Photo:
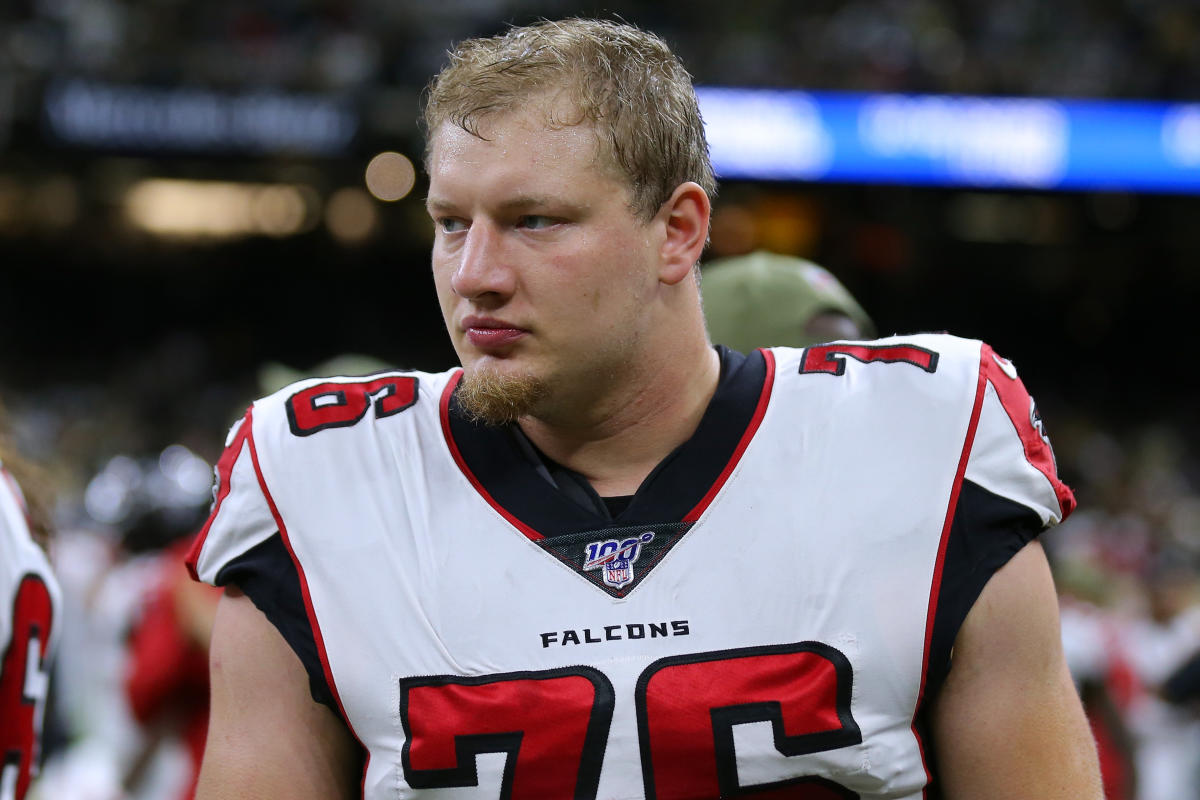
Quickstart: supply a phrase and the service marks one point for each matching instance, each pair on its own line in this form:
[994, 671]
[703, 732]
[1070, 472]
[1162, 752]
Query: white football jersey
[767, 616]
[29, 602]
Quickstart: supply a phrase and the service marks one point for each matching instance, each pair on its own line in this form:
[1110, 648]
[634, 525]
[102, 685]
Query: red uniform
[166, 680]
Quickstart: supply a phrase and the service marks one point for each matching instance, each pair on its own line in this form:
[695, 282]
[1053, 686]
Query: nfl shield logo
[615, 557]
[618, 574]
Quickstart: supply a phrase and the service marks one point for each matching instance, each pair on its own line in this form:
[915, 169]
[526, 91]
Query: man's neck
[627, 436]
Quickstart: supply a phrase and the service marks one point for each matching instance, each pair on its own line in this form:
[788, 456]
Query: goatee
[495, 399]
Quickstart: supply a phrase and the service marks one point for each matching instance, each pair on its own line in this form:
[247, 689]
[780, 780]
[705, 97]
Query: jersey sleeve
[1009, 494]
[1011, 455]
[241, 517]
[241, 544]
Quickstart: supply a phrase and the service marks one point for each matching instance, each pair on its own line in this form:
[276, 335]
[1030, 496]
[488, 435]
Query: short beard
[493, 399]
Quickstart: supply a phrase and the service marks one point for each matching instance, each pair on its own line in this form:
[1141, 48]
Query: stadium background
[119, 339]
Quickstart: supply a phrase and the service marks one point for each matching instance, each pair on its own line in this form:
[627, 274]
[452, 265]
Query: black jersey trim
[986, 532]
[267, 575]
[501, 472]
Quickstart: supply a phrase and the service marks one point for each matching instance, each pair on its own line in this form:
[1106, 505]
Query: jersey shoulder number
[341, 404]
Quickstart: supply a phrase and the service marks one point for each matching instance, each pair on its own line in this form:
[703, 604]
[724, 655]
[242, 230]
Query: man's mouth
[491, 334]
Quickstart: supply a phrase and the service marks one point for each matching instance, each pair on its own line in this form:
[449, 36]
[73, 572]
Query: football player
[606, 559]
[29, 603]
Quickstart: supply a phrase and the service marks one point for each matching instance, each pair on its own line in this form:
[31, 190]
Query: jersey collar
[538, 499]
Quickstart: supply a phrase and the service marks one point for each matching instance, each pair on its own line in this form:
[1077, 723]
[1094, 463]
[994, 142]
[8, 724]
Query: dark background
[1091, 294]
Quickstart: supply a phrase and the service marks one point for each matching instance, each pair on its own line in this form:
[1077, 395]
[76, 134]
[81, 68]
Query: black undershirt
[616, 505]
[569, 482]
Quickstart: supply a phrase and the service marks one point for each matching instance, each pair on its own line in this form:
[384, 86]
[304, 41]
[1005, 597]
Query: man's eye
[451, 225]
[536, 221]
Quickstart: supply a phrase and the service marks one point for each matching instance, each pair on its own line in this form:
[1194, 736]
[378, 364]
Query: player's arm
[267, 737]
[1008, 723]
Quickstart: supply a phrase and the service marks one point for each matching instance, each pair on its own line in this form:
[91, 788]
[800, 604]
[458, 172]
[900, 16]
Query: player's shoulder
[14, 531]
[303, 444]
[19, 553]
[306, 408]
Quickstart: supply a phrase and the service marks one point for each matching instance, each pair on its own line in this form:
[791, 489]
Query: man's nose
[483, 268]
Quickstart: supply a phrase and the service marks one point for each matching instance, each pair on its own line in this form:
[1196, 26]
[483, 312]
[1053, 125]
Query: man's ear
[686, 217]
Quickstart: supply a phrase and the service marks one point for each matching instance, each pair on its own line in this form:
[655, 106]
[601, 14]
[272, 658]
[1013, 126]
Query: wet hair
[623, 81]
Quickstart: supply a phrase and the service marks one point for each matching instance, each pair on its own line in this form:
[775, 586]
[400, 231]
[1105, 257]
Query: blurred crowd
[1126, 565]
[373, 49]
[1137, 48]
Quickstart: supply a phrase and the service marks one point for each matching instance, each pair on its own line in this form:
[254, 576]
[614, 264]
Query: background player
[395, 571]
[28, 618]
[765, 299]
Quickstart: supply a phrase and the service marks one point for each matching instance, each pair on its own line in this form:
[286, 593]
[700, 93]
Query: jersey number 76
[551, 727]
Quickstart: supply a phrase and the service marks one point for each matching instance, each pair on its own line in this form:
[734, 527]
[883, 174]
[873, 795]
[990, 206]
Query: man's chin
[498, 398]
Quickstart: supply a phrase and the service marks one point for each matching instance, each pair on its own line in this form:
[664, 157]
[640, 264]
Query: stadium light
[222, 210]
[390, 176]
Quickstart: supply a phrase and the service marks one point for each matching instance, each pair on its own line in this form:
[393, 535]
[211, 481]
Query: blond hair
[624, 81]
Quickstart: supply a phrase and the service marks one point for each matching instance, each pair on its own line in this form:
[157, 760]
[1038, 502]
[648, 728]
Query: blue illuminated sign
[1037, 143]
[96, 114]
